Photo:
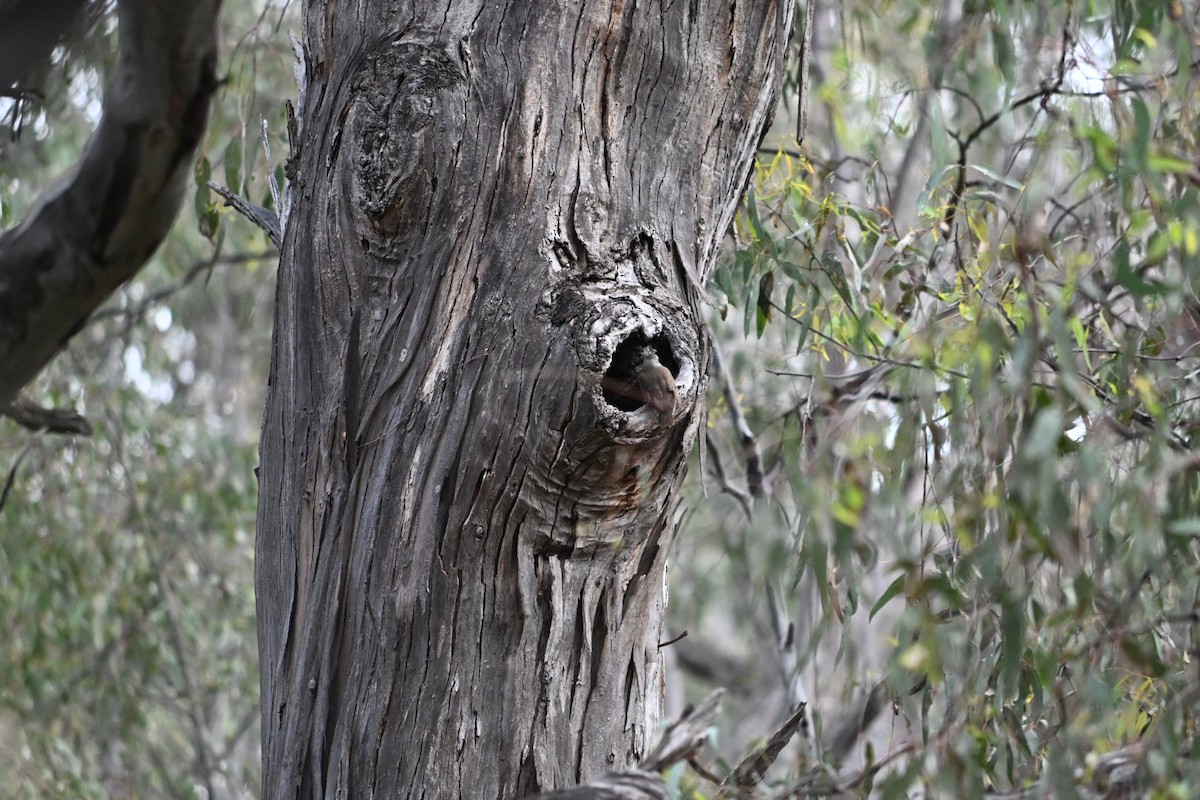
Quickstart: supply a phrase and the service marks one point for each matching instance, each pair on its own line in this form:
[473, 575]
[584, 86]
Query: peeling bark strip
[91, 234]
[461, 537]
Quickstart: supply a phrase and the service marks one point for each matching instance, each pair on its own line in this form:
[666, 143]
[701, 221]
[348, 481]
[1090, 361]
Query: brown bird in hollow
[647, 382]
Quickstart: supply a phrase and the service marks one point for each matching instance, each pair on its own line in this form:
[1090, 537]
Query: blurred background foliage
[948, 494]
[952, 493]
[128, 667]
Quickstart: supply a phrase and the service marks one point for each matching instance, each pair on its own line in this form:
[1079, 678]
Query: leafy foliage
[129, 667]
[973, 293]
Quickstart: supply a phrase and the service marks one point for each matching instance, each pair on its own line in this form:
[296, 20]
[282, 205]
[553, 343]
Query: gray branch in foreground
[96, 228]
[753, 768]
[55, 420]
[264, 218]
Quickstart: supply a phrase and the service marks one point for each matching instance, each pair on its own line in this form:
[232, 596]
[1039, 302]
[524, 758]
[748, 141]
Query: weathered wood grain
[462, 542]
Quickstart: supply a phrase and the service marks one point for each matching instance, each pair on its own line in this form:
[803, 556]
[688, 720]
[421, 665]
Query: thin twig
[718, 471]
[12, 472]
[160, 294]
[746, 437]
[1125, 633]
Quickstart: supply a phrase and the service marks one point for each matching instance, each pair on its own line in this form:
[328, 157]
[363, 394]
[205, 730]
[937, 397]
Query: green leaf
[814, 298]
[991, 174]
[1081, 340]
[1012, 643]
[723, 278]
[837, 276]
[232, 159]
[1130, 279]
[1004, 54]
[1139, 151]
[757, 231]
[1169, 164]
[893, 589]
[1104, 147]
[764, 305]
[208, 219]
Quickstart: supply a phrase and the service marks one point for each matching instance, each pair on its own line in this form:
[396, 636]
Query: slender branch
[1124, 633]
[746, 437]
[718, 472]
[1043, 93]
[264, 218]
[162, 293]
[12, 472]
[36, 418]
[204, 759]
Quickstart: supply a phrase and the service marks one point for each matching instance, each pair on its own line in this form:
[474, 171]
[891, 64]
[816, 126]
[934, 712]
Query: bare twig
[204, 759]
[12, 472]
[718, 471]
[264, 218]
[158, 295]
[1191, 617]
[746, 437]
[1044, 92]
[685, 736]
[672, 640]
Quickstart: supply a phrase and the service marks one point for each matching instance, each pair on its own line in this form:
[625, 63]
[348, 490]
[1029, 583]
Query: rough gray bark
[461, 536]
[95, 229]
[679, 741]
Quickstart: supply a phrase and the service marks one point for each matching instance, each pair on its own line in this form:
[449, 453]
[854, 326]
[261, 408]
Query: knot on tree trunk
[405, 112]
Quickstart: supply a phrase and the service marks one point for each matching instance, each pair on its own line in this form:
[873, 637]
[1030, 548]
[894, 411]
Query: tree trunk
[462, 533]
